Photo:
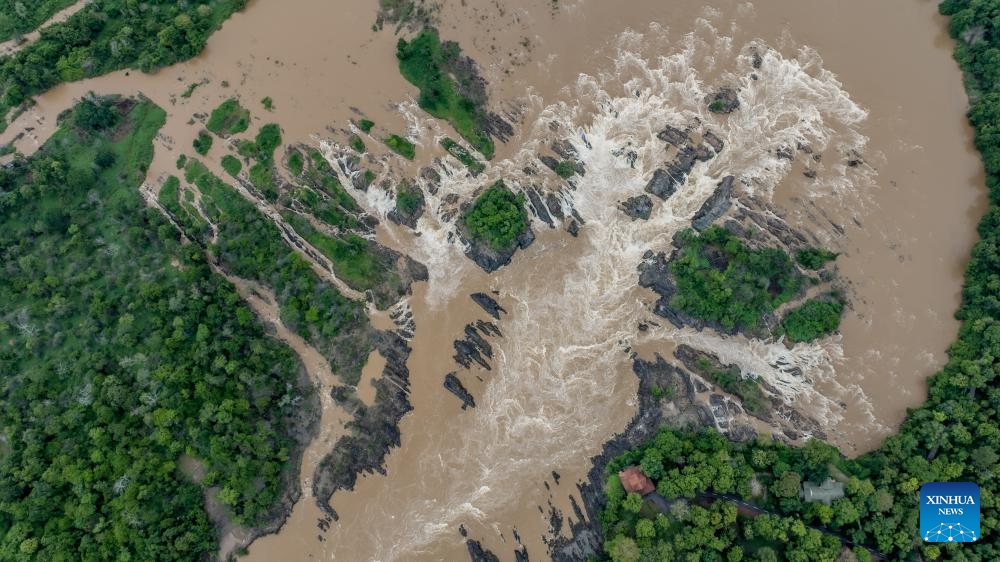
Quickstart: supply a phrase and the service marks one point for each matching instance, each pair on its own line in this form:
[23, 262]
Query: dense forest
[954, 436]
[122, 352]
[110, 35]
[497, 217]
[18, 17]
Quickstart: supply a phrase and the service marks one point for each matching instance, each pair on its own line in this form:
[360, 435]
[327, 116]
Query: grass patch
[408, 199]
[434, 67]
[497, 217]
[203, 143]
[232, 165]
[296, 163]
[401, 146]
[268, 103]
[357, 144]
[190, 89]
[229, 118]
[463, 156]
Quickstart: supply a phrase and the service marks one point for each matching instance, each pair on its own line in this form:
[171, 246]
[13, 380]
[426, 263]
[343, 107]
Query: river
[874, 78]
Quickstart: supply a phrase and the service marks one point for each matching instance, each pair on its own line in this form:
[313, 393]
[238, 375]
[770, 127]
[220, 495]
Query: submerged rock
[715, 206]
[638, 207]
[723, 101]
[455, 386]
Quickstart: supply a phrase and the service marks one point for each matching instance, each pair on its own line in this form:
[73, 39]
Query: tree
[788, 485]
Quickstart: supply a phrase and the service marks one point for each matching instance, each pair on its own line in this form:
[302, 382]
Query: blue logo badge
[949, 512]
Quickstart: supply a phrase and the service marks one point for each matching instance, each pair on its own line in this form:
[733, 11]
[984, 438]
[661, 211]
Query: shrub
[229, 118]
[401, 146]
[203, 143]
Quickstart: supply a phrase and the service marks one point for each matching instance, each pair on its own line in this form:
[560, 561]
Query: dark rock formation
[715, 206]
[777, 413]
[638, 207]
[674, 136]
[375, 429]
[713, 141]
[587, 535]
[498, 127]
[492, 259]
[408, 217]
[473, 349]
[535, 199]
[550, 162]
[785, 153]
[488, 328]
[564, 149]
[477, 553]
[521, 554]
[703, 153]
[664, 183]
[554, 206]
[488, 304]
[723, 101]
[573, 228]
[455, 386]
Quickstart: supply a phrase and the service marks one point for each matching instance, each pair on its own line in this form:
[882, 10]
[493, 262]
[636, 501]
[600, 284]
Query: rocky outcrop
[478, 553]
[492, 259]
[455, 386]
[653, 413]
[573, 229]
[535, 199]
[554, 206]
[408, 215]
[674, 136]
[638, 207]
[374, 430]
[487, 303]
[665, 182]
[473, 349]
[391, 288]
[723, 101]
[775, 412]
[661, 184]
[713, 141]
[716, 205]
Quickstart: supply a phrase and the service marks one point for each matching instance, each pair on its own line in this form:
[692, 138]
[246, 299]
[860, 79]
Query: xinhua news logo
[949, 512]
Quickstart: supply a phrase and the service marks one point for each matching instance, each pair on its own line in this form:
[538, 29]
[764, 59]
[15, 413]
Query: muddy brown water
[561, 382]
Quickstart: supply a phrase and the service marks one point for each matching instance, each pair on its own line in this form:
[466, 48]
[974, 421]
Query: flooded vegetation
[499, 253]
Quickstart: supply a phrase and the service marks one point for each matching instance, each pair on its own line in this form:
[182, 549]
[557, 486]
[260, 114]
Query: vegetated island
[715, 499]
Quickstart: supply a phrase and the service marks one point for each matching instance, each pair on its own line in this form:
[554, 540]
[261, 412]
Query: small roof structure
[634, 480]
[826, 492]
